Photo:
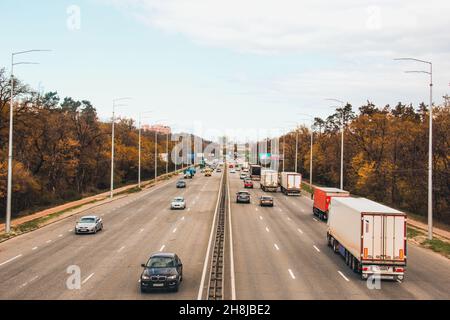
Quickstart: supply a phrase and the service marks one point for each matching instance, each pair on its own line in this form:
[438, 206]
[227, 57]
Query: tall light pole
[10, 141]
[430, 142]
[139, 152]
[111, 192]
[342, 142]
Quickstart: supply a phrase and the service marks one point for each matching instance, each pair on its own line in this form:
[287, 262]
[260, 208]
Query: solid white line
[87, 279]
[276, 247]
[205, 263]
[267, 229]
[12, 259]
[342, 275]
[121, 248]
[318, 250]
[232, 275]
[174, 230]
[162, 248]
[300, 230]
[291, 273]
[34, 248]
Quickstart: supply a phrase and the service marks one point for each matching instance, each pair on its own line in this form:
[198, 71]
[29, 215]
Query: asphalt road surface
[281, 253]
[34, 265]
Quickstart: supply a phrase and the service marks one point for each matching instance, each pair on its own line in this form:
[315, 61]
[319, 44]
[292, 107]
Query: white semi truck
[370, 236]
[291, 183]
[269, 180]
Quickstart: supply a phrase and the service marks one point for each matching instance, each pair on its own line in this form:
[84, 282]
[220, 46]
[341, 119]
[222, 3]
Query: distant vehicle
[243, 196]
[218, 170]
[269, 180]
[322, 199]
[232, 170]
[243, 175]
[89, 224]
[181, 184]
[248, 183]
[208, 172]
[162, 271]
[266, 201]
[255, 172]
[370, 236]
[291, 183]
[238, 168]
[245, 170]
[178, 203]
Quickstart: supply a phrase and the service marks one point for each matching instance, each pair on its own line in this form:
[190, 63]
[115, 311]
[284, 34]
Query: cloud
[268, 26]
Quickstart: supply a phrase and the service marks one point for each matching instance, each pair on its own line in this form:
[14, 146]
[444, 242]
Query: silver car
[89, 224]
[178, 203]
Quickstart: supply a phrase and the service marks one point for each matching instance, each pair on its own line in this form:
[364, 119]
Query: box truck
[255, 172]
[370, 236]
[322, 198]
[269, 180]
[291, 183]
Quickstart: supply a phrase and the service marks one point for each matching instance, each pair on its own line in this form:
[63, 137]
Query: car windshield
[178, 199]
[266, 198]
[161, 262]
[87, 220]
[243, 193]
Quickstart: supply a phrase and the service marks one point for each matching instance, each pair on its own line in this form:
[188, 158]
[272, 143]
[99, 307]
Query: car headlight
[174, 277]
[145, 277]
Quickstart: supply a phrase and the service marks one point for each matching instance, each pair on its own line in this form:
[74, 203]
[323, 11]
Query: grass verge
[437, 245]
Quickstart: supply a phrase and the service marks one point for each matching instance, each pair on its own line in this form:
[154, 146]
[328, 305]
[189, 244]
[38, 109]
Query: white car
[232, 170]
[243, 175]
[88, 224]
[178, 203]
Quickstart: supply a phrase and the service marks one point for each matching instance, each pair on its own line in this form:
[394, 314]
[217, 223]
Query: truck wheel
[335, 246]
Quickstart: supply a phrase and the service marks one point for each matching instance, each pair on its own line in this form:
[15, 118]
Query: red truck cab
[322, 199]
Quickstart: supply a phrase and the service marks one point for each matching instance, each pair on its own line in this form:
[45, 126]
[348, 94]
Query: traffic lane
[70, 250]
[262, 271]
[420, 282]
[182, 231]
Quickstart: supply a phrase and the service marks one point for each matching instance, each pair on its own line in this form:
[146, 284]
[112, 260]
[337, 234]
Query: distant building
[159, 128]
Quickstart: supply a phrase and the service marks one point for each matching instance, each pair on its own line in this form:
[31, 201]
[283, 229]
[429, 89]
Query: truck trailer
[370, 236]
[269, 180]
[255, 172]
[291, 183]
[322, 198]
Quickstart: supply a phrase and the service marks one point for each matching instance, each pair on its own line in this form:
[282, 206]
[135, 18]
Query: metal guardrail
[216, 277]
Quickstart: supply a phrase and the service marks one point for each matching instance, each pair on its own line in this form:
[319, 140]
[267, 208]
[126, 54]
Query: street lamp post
[111, 193]
[342, 142]
[430, 142]
[10, 141]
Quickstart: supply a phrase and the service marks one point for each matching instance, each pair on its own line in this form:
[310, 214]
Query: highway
[281, 253]
[33, 266]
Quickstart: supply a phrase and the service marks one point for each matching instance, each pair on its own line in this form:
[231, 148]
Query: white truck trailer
[370, 236]
[269, 180]
[291, 183]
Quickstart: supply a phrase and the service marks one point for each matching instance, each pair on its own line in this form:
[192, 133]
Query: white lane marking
[141, 230]
[48, 241]
[317, 249]
[267, 229]
[189, 209]
[300, 230]
[12, 259]
[174, 230]
[87, 279]
[121, 248]
[256, 209]
[315, 220]
[260, 217]
[162, 248]
[60, 235]
[34, 248]
[342, 275]
[70, 230]
[303, 210]
[289, 218]
[182, 218]
[276, 247]
[279, 209]
[26, 283]
[291, 273]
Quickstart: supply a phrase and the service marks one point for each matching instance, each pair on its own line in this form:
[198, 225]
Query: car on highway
[243, 176]
[248, 183]
[218, 170]
[243, 197]
[266, 201]
[88, 224]
[178, 203]
[181, 184]
[232, 170]
[163, 270]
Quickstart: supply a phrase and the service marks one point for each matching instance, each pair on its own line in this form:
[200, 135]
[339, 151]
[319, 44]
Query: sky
[241, 68]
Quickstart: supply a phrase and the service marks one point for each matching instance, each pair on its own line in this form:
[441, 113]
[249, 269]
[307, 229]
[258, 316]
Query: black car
[162, 271]
[181, 184]
[266, 201]
[243, 196]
